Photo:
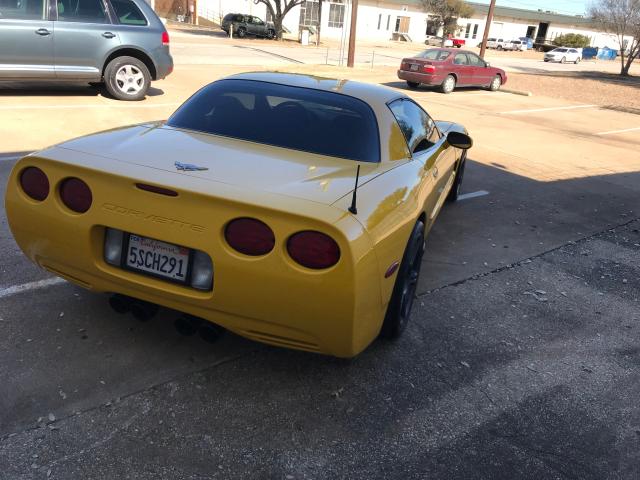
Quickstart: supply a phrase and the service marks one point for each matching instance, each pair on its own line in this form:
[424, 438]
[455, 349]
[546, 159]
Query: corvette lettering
[150, 217]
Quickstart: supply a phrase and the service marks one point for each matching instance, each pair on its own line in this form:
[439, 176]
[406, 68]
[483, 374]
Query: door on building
[542, 32]
[433, 24]
[531, 32]
[402, 24]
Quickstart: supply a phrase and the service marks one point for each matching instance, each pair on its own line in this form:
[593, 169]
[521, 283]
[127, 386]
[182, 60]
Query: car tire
[495, 84]
[412, 85]
[563, 60]
[454, 193]
[242, 32]
[448, 85]
[577, 61]
[127, 78]
[500, 47]
[271, 34]
[404, 289]
[458, 46]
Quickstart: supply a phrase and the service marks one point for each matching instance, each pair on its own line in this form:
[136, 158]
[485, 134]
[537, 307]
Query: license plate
[157, 258]
[413, 67]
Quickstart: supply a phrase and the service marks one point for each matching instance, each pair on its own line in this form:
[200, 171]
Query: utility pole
[352, 34]
[483, 47]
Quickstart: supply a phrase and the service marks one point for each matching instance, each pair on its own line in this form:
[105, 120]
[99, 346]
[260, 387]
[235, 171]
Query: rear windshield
[304, 119]
[433, 54]
[560, 49]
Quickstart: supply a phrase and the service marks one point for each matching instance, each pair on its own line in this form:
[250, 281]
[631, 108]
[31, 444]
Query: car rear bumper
[164, 64]
[417, 77]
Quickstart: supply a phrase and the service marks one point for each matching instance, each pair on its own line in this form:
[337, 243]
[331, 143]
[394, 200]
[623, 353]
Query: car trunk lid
[248, 165]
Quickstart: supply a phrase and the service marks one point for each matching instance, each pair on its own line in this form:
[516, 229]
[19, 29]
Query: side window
[239, 18]
[475, 60]
[128, 12]
[85, 11]
[419, 130]
[460, 59]
[257, 21]
[23, 9]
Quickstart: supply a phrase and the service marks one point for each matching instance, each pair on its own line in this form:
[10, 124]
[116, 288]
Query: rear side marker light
[76, 195]
[250, 236]
[313, 250]
[34, 183]
[159, 190]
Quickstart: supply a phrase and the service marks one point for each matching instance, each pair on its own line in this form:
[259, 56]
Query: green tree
[574, 40]
[621, 18]
[448, 13]
[278, 10]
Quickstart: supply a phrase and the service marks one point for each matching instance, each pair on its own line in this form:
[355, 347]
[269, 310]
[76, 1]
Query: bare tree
[622, 18]
[278, 10]
[448, 12]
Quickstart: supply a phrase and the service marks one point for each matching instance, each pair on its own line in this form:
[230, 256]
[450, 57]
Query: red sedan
[448, 68]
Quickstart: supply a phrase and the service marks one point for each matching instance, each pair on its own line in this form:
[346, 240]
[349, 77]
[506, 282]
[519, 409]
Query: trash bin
[304, 37]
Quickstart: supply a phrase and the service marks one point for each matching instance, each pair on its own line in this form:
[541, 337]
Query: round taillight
[34, 183]
[76, 195]
[250, 236]
[313, 249]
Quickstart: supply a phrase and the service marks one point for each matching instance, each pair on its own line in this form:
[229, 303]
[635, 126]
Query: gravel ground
[600, 89]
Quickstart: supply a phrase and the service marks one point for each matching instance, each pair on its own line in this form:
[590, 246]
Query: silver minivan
[121, 43]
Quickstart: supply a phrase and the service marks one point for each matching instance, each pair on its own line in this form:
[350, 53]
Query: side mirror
[487, 64]
[459, 140]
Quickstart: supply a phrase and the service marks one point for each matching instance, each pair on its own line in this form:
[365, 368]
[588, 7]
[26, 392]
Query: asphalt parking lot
[522, 359]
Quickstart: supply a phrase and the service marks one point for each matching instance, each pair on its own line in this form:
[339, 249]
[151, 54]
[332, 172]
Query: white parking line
[610, 132]
[70, 107]
[550, 109]
[26, 287]
[467, 196]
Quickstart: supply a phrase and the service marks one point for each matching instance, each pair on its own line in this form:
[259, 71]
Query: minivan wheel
[271, 34]
[242, 32]
[127, 78]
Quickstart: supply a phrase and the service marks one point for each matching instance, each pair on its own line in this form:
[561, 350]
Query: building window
[475, 31]
[309, 13]
[336, 14]
[467, 31]
[379, 20]
[388, 21]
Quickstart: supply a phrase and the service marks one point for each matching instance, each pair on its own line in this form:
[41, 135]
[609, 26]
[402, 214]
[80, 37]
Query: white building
[380, 20]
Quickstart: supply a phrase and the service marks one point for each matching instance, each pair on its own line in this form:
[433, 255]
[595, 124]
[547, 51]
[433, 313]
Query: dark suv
[244, 25]
[122, 43]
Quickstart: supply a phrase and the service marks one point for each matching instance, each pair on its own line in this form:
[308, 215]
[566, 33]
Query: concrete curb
[516, 92]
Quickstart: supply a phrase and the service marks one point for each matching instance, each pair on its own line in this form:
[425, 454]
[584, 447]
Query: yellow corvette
[289, 209]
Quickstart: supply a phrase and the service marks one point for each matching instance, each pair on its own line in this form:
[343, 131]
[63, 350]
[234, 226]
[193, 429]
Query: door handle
[43, 31]
[435, 172]
[108, 35]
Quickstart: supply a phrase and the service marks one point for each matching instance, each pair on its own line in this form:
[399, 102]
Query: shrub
[574, 40]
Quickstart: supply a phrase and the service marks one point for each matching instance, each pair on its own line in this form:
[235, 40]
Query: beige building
[380, 20]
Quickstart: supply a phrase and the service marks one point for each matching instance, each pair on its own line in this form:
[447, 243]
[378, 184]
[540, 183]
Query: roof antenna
[353, 208]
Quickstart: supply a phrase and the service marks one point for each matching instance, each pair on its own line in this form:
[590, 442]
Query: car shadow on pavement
[34, 89]
[402, 85]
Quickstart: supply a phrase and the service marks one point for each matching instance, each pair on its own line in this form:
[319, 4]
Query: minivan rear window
[297, 118]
